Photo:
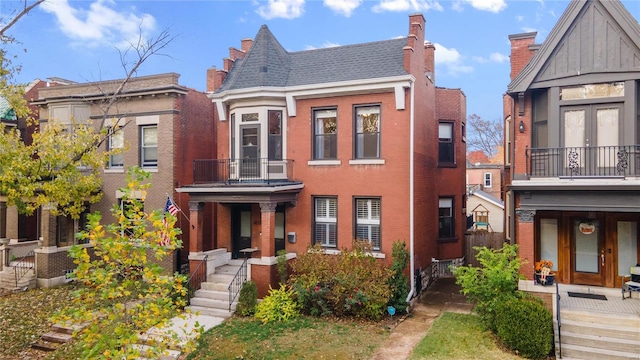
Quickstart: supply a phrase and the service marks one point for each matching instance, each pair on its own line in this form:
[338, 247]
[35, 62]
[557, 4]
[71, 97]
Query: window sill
[448, 240]
[150, 169]
[367, 162]
[114, 171]
[324, 162]
[447, 165]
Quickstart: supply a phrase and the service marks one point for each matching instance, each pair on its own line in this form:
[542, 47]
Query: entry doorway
[240, 229]
[588, 252]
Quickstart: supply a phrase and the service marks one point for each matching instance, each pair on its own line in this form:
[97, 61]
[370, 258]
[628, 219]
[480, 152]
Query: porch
[591, 322]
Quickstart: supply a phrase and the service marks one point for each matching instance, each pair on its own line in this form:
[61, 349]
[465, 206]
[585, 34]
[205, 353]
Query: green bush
[247, 299]
[352, 283]
[525, 325]
[493, 283]
[398, 282]
[281, 265]
[278, 306]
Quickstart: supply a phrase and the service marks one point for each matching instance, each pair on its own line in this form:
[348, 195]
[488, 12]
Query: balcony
[575, 162]
[230, 171]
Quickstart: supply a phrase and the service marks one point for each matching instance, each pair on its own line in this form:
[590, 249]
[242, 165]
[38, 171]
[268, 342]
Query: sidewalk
[443, 295]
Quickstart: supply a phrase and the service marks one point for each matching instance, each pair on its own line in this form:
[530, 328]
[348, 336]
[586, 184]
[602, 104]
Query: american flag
[172, 209]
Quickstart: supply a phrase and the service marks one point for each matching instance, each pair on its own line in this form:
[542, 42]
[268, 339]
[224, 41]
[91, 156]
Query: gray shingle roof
[268, 64]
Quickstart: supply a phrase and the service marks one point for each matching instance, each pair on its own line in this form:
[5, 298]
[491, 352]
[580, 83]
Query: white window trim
[325, 219]
[140, 146]
[324, 162]
[369, 220]
[490, 180]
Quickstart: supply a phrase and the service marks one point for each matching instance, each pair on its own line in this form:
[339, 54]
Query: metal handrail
[238, 280]
[587, 161]
[20, 270]
[228, 171]
[196, 278]
[559, 321]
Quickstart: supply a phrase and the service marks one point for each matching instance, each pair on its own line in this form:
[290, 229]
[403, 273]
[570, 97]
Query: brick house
[168, 125]
[328, 145]
[571, 131]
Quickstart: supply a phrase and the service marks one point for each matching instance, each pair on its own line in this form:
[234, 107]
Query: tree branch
[22, 13]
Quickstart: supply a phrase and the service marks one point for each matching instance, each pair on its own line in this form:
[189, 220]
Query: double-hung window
[325, 134]
[368, 221]
[487, 180]
[445, 143]
[367, 141]
[116, 142]
[446, 229]
[326, 221]
[149, 146]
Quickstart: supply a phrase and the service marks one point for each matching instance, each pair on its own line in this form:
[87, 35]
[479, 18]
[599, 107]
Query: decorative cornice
[196, 206]
[268, 206]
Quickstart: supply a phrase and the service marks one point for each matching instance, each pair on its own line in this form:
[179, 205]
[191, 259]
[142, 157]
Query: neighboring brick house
[328, 145]
[486, 177]
[572, 123]
[168, 126]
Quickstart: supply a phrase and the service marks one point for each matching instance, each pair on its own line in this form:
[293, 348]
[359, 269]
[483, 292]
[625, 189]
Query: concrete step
[215, 286]
[212, 303]
[236, 262]
[599, 342]
[220, 278]
[227, 270]
[45, 345]
[67, 328]
[589, 353]
[603, 330]
[212, 294]
[201, 310]
[56, 337]
[598, 318]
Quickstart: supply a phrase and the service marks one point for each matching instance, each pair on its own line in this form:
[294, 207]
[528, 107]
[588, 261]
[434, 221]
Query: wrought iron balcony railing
[596, 161]
[241, 170]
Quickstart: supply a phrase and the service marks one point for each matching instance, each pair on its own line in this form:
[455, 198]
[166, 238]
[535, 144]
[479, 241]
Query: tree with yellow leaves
[124, 291]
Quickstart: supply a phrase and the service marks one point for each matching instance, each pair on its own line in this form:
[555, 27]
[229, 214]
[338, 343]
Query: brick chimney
[415, 45]
[215, 77]
[521, 52]
[246, 44]
[429, 60]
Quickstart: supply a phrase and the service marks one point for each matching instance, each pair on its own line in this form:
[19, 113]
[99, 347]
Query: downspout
[412, 261]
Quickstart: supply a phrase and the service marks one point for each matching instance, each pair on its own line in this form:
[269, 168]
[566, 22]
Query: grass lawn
[301, 338]
[459, 336]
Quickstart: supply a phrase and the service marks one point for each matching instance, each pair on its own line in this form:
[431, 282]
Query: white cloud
[407, 5]
[451, 60]
[326, 44]
[343, 7]
[493, 57]
[520, 18]
[100, 24]
[286, 9]
[494, 6]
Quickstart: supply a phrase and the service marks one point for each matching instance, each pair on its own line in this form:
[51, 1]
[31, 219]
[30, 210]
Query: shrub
[495, 282]
[398, 282]
[525, 325]
[278, 306]
[282, 265]
[247, 299]
[327, 284]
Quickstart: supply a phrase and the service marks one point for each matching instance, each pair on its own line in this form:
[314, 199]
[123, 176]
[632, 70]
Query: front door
[240, 229]
[250, 152]
[588, 252]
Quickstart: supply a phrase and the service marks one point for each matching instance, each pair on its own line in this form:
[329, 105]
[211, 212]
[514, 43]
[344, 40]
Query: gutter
[412, 261]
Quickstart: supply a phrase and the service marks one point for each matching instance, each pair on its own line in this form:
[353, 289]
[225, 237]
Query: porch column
[195, 233]
[48, 225]
[12, 222]
[267, 237]
[526, 240]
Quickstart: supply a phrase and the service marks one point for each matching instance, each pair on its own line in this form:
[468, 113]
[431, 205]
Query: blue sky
[78, 40]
